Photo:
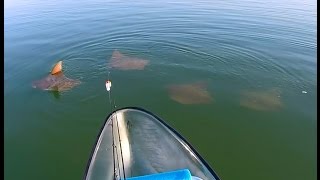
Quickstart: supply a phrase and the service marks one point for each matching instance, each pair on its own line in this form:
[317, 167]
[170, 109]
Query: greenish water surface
[233, 46]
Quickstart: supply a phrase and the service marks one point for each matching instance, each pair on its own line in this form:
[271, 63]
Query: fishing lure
[108, 85]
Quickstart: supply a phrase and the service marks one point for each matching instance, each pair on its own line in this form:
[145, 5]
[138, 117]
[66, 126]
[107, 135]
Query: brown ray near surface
[123, 62]
[56, 80]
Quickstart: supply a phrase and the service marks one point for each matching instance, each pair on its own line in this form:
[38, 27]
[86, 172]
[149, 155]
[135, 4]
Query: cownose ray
[124, 62]
[56, 80]
[191, 93]
[263, 100]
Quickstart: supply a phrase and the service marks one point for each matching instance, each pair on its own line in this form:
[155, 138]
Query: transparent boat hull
[134, 142]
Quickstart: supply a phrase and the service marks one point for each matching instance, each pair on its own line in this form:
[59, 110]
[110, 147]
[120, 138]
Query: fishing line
[114, 149]
[112, 131]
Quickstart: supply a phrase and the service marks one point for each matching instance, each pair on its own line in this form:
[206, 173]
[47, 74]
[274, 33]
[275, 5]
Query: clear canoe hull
[134, 142]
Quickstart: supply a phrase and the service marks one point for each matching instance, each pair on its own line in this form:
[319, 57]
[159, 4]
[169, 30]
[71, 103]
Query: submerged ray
[123, 62]
[266, 100]
[194, 93]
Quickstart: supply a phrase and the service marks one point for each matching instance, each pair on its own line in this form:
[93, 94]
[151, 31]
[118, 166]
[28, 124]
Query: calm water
[235, 46]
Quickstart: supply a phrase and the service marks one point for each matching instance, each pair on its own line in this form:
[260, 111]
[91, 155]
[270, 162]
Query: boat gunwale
[162, 122]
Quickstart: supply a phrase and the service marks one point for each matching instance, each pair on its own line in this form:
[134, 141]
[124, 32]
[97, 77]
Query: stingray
[267, 100]
[56, 80]
[194, 93]
[123, 62]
